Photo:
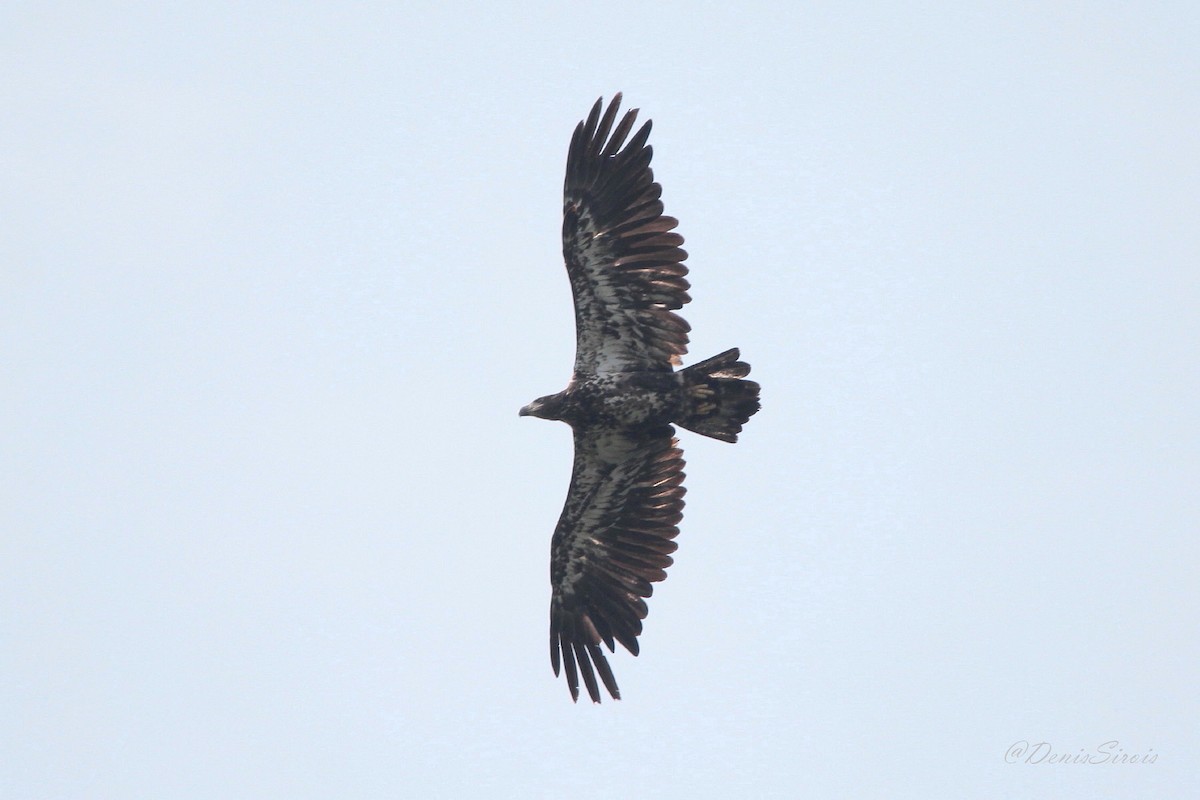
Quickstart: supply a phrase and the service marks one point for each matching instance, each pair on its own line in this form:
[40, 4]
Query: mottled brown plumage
[618, 525]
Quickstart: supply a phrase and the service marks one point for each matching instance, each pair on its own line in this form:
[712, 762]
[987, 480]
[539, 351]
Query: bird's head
[548, 407]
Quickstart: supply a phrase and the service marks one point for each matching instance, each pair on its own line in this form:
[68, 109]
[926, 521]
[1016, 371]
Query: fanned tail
[718, 401]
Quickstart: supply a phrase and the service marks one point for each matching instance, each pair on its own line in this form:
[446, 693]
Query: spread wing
[623, 257]
[612, 542]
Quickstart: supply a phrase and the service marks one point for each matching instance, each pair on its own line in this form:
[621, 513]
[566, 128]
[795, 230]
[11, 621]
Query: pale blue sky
[277, 277]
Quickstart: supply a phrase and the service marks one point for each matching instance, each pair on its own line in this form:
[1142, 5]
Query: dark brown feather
[622, 256]
[611, 546]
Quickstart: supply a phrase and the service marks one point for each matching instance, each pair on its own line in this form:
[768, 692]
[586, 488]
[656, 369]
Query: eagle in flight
[622, 512]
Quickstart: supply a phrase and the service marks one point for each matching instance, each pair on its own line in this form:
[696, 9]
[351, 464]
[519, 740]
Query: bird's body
[620, 519]
[621, 399]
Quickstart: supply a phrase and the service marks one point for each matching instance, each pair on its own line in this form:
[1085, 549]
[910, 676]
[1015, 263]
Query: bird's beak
[525, 410]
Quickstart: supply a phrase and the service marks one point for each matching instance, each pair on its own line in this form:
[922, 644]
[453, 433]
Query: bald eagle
[622, 512]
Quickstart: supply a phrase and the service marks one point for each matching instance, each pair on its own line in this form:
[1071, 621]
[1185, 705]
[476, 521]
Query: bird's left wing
[623, 256]
[612, 542]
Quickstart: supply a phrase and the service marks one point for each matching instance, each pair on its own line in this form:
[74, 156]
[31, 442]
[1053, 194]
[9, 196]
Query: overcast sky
[276, 278]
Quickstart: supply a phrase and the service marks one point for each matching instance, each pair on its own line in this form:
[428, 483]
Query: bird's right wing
[612, 542]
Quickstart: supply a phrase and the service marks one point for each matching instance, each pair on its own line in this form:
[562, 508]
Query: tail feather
[718, 401]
